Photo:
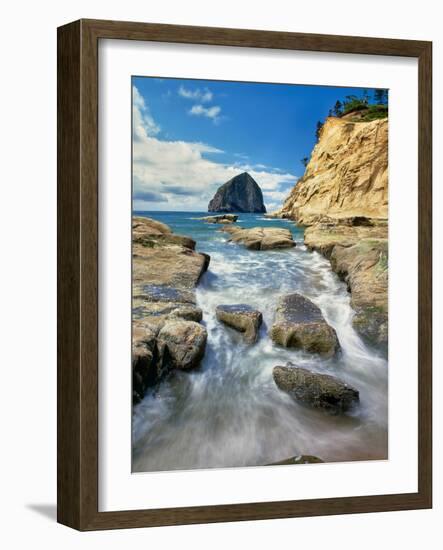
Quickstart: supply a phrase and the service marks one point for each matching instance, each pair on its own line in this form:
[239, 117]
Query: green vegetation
[353, 103]
[369, 110]
[363, 108]
[381, 96]
[375, 112]
[338, 108]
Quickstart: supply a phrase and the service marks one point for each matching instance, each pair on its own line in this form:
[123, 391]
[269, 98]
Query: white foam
[230, 413]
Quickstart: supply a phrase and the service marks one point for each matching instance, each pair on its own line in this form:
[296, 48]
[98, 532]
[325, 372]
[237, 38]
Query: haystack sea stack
[240, 194]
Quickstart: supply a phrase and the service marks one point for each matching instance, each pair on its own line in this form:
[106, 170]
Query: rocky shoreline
[168, 333]
[283, 371]
[359, 256]
[166, 329]
[342, 201]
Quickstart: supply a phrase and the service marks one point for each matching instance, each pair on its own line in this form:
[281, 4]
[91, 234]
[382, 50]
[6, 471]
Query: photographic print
[259, 274]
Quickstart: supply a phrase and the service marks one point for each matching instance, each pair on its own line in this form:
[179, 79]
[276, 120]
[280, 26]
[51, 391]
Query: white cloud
[204, 96]
[273, 206]
[201, 96]
[143, 123]
[276, 196]
[179, 172]
[209, 112]
[205, 148]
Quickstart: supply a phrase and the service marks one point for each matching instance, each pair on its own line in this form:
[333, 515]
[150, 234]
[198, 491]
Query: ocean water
[229, 412]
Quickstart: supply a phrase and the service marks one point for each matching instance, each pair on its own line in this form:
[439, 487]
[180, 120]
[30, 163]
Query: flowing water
[229, 412]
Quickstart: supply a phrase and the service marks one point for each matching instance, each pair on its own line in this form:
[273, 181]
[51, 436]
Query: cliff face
[240, 194]
[347, 174]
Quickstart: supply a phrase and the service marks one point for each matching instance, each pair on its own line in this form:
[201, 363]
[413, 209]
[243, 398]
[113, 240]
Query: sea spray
[229, 412]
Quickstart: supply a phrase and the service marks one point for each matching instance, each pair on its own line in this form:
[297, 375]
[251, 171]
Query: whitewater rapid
[229, 412]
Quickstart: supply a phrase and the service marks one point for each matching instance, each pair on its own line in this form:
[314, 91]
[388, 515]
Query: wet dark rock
[320, 391]
[164, 293]
[299, 323]
[240, 194]
[181, 344]
[159, 312]
[241, 317]
[223, 218]
[145, 368]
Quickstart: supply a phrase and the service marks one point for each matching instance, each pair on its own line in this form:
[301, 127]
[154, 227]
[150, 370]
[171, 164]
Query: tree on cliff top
[318, 129]
[338, 108]
[369, 110]
[381, 96]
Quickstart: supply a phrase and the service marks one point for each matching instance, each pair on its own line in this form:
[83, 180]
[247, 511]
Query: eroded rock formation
[241, 317]
[166, 333]
[240, 194]
[359, 255]
[261, 238]
[222, 218]
[347, 174]
[299, 323]
[320, 391]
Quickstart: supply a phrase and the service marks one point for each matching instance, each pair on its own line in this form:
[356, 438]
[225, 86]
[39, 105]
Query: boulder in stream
[261, 238]
[299, 323]
[241, 317]
[181, 344]
[320, 391]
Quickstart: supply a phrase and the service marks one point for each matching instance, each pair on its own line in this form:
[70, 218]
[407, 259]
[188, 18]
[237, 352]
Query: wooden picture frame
[78, 274]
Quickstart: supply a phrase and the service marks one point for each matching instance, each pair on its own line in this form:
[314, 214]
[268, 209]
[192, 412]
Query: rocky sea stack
[240, 194]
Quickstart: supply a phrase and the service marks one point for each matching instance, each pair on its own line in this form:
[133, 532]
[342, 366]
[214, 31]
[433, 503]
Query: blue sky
[191, 136]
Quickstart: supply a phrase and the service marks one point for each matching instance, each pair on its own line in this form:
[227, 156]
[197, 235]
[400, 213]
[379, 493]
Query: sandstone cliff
[347, 175]
[343, 198]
